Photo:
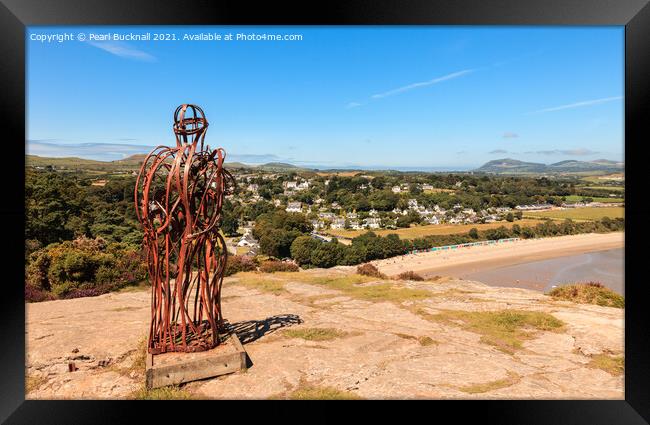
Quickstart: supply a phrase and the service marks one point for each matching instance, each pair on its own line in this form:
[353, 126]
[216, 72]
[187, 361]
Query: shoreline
[481, 258]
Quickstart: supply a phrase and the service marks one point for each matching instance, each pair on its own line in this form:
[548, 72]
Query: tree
[473, 233]
[327, 254]
[510, 217]
[277, 242]
[302, 248]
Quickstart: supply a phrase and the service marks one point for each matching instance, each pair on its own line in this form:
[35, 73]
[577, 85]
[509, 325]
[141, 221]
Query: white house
[432, 220]
[338, 223]
[247, 240]
[354, 224]
[294, 207]
[372, 222]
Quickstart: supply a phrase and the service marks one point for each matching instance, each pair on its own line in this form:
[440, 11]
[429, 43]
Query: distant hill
[507, 165]
[74, 163]
[132, 163]
[513, 166]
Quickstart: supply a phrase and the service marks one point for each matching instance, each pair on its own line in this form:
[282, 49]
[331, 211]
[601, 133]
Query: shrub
[271, 266]
[84, 263]
[371, 270]
[89, 291]
[409, 275]
[239, 263]
[588, 293]
[35, 295]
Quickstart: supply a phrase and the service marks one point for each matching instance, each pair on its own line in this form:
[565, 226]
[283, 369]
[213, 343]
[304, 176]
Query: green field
[577, 198]
[601, 178]
[580, 213]
[431, 229]
[610, 188]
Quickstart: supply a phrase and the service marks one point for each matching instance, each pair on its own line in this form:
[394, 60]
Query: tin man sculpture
[178, 198]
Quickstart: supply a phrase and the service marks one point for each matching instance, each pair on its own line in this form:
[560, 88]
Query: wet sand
[474, 260]
[606, 267]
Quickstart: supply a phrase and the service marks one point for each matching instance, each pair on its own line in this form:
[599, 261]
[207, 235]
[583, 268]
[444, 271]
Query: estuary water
[606, 267]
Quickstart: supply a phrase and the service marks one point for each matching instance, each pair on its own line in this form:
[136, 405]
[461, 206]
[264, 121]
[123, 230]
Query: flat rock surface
[380, 355]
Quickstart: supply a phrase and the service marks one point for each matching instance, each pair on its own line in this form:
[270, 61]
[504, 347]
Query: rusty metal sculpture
[179, 194]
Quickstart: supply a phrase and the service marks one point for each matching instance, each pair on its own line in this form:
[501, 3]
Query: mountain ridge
[514, 166]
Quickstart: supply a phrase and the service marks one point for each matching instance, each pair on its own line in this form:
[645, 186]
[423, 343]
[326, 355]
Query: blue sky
[398, 97]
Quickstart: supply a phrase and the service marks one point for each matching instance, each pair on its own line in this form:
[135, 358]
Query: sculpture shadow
[251, 330]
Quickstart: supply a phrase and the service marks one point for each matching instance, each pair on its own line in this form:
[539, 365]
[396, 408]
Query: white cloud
[579, 104]
[422, 84]
[123, 50]
[352, 105]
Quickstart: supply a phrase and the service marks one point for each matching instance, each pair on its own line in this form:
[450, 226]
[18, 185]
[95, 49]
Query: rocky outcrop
[389, 349]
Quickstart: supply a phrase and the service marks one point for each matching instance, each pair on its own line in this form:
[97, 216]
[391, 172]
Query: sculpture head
[189, 124]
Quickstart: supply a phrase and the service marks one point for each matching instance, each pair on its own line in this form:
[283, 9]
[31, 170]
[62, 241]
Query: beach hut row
[464, 245]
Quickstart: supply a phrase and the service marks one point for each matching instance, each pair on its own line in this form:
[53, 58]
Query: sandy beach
[450, 262]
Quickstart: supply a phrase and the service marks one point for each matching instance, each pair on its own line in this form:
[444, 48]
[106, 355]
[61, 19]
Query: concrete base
[177, 368]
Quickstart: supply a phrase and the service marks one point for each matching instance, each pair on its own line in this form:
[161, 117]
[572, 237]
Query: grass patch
[172, 392]
[262, 282]
[426, 341]
[577, 198]
[34, 382]
[138, 363]
[127, 308]
[506, 329]
[588, 293]
[423, 340]
[315, 392]
[352, 285]
[433, 229]
[316, 334]
[511, 379]
[614, 365]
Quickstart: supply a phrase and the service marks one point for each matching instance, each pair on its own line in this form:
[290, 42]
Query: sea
[606, 267]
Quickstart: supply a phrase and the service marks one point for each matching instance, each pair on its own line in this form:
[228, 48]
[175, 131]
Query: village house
[294, 207]
[317, 224]
[533, 207]
[247, 241]
[432, 220]
[354, 224]
[327, 215]
[396, 189]
[338, 223]
[372, 223]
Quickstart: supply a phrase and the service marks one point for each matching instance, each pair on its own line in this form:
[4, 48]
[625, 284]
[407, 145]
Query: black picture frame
[15, 15]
